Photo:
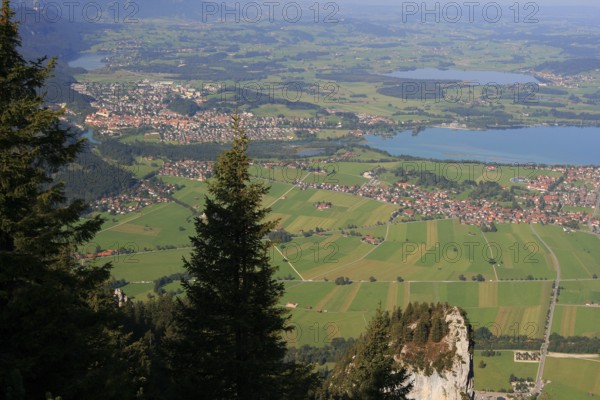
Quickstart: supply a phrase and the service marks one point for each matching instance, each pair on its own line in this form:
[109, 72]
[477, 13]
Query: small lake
[541, 145]
[482, 77]
[89, 61]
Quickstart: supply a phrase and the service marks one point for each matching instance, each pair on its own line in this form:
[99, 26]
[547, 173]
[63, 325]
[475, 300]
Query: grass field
[145, 267]
[572, 378]
[298, 212]
[576, 321]
[359, 299]
[158, 224]
[578, 252]
[494, 376]
[579, 292]
[520, 253]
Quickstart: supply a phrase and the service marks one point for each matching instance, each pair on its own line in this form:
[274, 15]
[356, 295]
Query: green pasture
[495, 376]
[577, 252]
[572, 378]
[579, 292]
[158, 224]
[576, 320]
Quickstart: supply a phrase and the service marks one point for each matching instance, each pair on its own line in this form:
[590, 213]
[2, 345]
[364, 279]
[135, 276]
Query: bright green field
[297, 211]
[579, 292]
[578, 253]
[158, 224]
[572, 378]
[576, 321]
[520, 253]
[430, 256]
[351, 302]
[498, 369]
[146, 267]
[337, 311]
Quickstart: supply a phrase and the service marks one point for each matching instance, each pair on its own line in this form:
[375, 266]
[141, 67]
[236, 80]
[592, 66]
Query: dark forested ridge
[90, 177]
[126, 153]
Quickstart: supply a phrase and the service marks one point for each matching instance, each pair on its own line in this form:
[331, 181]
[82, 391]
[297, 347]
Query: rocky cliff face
[424, 352]
[453, 383]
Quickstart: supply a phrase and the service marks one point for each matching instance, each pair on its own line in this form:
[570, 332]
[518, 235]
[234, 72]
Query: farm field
[298, 212]
[435, 261]
[495, 375]
[579, 292]
[159, 224]
[572, 378]
[430, 251]
[517, 306]
[570, 320]
[578, 252]
[351, 173]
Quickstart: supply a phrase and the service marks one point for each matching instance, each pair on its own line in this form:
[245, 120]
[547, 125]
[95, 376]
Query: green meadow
[571, 320]
[572, 378]
[495, 375]
[513, 308]
[156, 225]
[297, 211]
[577, 252]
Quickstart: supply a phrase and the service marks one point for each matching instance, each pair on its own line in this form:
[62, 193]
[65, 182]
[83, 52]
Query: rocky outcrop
[120, 297]
[455, 382]
[424, 352]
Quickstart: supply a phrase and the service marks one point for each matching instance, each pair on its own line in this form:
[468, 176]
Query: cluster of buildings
[322, 205]
[141, 195]
[579, 189]
[566, 81]
[145, 105]
[191, 169]
[372, 240]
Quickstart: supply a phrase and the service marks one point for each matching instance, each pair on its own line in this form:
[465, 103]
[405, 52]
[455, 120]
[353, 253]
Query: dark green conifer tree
[369, 371]
[228, 342]
[437, 329]
[54, 335]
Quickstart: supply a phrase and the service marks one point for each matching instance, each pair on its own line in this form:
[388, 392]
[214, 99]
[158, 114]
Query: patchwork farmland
[502, 279]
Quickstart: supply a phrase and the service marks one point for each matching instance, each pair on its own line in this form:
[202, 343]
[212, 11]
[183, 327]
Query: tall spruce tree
[53, 313]
[228, 343]
[369, 371]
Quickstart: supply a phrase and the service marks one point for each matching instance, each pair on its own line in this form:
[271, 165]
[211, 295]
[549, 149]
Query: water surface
[541, 145]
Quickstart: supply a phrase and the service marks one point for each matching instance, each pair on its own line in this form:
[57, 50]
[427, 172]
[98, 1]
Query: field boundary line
[134, 218]
[392, 296]
[289, 263]
[358, 259]
[289, 190]
[583, 265]
[351, 296]
[491, 255]
[327, 298]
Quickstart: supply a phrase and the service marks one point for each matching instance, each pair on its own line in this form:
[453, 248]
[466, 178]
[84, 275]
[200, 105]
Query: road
[544, 351]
